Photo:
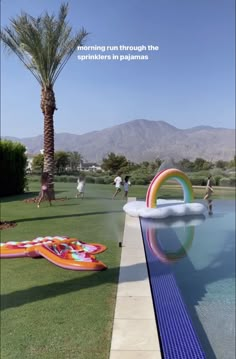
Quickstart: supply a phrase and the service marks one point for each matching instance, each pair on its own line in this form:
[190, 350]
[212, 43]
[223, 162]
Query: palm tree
[44, 45]
[75, 159]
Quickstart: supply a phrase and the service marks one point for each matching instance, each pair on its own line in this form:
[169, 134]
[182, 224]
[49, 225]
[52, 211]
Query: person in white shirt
[80, 187]
[118, 183]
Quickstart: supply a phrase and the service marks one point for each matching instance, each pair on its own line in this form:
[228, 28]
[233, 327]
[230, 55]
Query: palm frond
[44, 44]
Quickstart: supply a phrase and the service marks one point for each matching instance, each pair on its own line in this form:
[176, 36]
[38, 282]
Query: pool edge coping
[134, 332]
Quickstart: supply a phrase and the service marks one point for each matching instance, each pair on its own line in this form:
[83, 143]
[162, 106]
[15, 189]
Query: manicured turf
[48, 312]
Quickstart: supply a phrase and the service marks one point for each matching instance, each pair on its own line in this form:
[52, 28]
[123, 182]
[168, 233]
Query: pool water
[200, 255]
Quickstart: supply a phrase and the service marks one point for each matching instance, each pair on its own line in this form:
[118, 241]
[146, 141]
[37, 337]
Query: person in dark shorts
[126, 187]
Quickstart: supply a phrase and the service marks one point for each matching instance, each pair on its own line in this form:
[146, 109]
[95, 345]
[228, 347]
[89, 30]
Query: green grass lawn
[48, 312]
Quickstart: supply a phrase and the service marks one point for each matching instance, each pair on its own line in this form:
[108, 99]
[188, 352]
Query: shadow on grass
[41, 292]
[106, 198]
[67, 216]
[22, 197]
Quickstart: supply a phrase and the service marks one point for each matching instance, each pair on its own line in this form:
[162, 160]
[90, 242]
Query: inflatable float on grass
[65, 252]
[160, 208]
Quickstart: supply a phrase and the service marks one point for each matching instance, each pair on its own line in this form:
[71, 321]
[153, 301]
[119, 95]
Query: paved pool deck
[134, 334]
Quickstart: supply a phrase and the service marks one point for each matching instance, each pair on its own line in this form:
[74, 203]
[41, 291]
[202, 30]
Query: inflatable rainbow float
[160, 208]
[161, 178]
[65, 252]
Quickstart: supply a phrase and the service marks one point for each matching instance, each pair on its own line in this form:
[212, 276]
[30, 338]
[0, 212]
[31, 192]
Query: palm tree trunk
[48, 106]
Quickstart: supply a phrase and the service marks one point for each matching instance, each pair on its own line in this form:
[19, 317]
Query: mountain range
[144, 140]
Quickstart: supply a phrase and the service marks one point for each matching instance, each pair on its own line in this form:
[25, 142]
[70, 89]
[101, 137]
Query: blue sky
[189, 81]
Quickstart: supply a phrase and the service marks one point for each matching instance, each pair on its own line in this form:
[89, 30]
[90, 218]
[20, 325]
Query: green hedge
[71, 179]
[227, 182]
[197, 179]
[13, 168]
[99, 180]
[90, 179]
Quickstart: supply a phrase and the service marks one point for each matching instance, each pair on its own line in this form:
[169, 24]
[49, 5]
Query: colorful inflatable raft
[65, 252]
[161, 178]
[161, 208]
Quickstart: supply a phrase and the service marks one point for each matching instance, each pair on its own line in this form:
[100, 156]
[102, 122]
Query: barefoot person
[209, 191]
[45, 191]
[80, 187]
[117, 182]
[126, 187]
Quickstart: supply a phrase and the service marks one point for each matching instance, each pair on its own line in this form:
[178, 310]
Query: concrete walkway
[134, 333]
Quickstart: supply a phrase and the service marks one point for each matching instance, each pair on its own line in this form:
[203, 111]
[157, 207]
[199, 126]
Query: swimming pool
[198, 255]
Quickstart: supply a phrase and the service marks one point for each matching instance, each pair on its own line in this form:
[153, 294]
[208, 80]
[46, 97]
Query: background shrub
[13, 168]
[99, 180]
[198, 181]
[140, 181]
[90, 179]
[225, 182]
[108, 180]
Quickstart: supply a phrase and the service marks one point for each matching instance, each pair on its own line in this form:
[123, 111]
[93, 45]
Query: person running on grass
[80, 187]
[45, 191]
[126, 187]
[118, 183]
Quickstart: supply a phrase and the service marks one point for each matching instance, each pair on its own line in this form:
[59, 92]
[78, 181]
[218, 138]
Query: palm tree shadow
[41, 292]
[67, 216]
[21, 197]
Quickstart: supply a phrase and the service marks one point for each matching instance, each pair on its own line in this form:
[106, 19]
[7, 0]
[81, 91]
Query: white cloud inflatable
[162, 208]
[165, 208]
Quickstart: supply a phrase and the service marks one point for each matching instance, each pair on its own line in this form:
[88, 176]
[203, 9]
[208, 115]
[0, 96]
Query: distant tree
[144, 164]
[114, 163]
[152, 167]
[44, 44]
[208, 165]
[158, 162]
[132, 166]
[199, 164]
[128, 168]
[75, 159]
[37, 163]
[186, 165]
[61, 161]
[232, 163]
[221, 164]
